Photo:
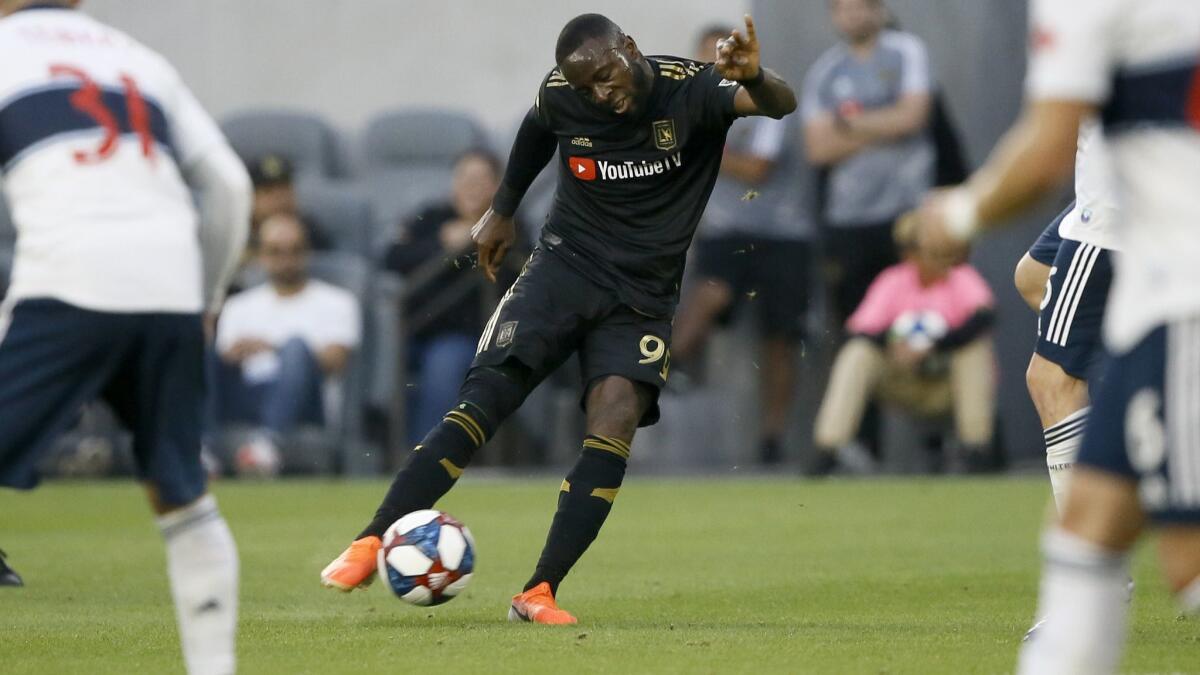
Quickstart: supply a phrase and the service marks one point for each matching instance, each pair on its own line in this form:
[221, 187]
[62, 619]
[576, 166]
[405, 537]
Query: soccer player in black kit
[640, 140]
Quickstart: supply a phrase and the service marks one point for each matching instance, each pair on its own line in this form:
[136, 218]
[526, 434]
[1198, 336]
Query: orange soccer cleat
[355, 567]
[537, 606]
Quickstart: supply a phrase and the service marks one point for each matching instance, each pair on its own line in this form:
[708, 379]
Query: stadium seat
[304, 138]
[409, 155]
[341, 210]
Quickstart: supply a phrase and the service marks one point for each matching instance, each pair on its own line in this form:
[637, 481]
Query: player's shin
[583, 504]
[1083, 596]
[488, 396]
[202, 566]
[432, 469]
[1062, 446]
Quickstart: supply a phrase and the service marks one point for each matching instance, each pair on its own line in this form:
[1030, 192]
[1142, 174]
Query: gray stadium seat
[341, 210]
[420, 136]
[304, 138]
[409, 155]
[396, 193]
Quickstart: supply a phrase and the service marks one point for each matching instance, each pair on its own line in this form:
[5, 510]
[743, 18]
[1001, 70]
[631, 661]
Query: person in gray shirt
[753, 251]
[866, 108]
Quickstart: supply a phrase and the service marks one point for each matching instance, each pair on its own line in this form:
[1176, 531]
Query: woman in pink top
[920, 341]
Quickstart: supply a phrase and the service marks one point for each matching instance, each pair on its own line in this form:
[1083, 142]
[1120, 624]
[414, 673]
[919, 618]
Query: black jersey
[631, 190]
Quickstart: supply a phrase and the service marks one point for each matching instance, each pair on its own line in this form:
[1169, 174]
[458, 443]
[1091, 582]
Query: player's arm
[222, 188]
[224, 195]
[495, 232]
[1033, 159]
[763, 92]
[1070, 72]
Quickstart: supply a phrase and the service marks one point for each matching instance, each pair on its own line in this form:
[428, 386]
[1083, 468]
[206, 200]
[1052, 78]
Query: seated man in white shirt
[279, 343]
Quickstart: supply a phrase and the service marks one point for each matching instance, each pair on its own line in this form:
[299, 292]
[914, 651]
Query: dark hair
[581, 29]
[490, 158]
[713, 30]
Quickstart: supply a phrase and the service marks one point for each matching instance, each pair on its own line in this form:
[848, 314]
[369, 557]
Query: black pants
[858, 253]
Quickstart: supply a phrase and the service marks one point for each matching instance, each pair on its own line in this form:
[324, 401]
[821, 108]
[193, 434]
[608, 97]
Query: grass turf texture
[881, 576]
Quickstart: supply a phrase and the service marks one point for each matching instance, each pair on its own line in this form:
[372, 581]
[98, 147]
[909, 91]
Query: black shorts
[1072, 310]
[551, 311]
[1145, 422]
[1045, 247]
[770, 275]
[56, 357]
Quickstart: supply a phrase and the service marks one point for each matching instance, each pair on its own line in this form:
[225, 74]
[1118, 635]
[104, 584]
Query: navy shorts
[1045, 248]
[552, 312]
[1072, 309]
[56, 357]
[1145, 422]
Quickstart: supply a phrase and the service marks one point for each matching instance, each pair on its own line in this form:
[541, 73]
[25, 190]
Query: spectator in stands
[280, 343]
[866, 110]
[753, 252]
[275, 193]
[446, 304]
[921, 341]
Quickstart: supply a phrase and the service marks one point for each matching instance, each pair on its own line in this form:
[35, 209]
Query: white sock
[1062, 447]
[1083, 594]
[202, 565]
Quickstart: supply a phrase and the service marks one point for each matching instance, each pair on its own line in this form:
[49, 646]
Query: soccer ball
[919, 329]
[427, 557]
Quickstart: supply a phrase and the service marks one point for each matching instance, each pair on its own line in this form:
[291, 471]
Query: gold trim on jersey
[556, 79]
[677, 70]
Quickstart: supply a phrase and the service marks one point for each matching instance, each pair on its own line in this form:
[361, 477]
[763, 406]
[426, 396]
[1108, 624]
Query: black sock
[586, 498]
[433, 467]
[487, 397]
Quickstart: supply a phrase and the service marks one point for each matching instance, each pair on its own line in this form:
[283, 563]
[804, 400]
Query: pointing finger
[750, 33]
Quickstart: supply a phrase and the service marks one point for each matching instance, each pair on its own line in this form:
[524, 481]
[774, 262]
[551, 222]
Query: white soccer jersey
[94, 130]
[1137, 61]
[1094, 217]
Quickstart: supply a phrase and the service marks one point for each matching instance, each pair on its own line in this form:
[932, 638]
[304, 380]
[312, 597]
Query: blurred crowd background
[376, 131]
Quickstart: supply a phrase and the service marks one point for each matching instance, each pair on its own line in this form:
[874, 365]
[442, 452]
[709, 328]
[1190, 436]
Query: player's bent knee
[615, 405]
[1047, 381]
[490, 394]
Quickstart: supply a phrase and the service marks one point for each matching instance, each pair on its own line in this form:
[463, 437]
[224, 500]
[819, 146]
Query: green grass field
[689, 576]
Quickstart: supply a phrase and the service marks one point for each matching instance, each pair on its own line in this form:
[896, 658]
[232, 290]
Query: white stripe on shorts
[1072, 285]
[1065, 329]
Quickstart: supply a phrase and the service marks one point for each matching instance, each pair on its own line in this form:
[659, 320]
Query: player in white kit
[1135, 63]
[1065, 277]
[99, 143]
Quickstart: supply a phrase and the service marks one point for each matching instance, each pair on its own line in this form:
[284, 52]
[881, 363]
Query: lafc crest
[664, 134]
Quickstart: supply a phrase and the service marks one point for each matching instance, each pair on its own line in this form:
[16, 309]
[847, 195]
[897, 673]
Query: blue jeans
[440, 364]
[291, 398]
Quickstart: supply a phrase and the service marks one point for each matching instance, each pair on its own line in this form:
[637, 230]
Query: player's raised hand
[494, 235]
[738, 56]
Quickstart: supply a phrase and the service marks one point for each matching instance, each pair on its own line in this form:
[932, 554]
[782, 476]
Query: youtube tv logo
[582, 168]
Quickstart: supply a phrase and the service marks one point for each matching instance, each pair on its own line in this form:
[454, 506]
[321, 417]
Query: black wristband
[506, 201]
[756, 80]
